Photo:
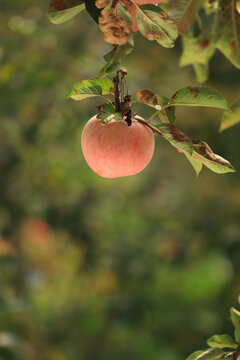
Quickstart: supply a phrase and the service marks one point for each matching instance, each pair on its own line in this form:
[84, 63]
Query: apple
[116, 149]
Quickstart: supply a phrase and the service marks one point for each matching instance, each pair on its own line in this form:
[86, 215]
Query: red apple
[116, 149]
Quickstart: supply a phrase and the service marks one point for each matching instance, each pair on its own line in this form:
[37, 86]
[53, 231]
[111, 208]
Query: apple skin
[117, 150]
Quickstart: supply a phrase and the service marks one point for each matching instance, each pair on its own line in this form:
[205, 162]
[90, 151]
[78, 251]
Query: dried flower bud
[114, 27]
[100, 4]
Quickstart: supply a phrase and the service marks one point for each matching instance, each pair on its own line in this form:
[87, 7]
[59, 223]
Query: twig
[153, 128]
[236, 353]
[117, 92]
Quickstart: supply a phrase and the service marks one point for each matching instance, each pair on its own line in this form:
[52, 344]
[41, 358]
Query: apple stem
[150, 126]
[117, 92]
[236, 353]
[122, 102]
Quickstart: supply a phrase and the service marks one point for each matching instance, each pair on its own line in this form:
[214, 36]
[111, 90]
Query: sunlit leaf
[210, 354]
[182, 12]
[109, 69]
[238, 6]
[167, 114]
[155, 25]
[221, 342]
[197, 50]
[231, 118]
[157, 102]
[228, 31]
[176, 137]
[64, 10]
[195, 354]
[200, 151]
[235, 317]
[108, 114]
[212, 161]
[199, 96]
[197, 166]
[89, 88]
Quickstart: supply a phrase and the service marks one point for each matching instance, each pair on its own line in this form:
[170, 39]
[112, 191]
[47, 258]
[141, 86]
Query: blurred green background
[144, 267]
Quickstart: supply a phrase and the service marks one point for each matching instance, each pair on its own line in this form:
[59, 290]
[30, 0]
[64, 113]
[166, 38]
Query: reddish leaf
[132, 9]
[62, 10]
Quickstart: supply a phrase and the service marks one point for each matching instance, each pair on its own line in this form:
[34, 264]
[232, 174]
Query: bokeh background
[140, 268]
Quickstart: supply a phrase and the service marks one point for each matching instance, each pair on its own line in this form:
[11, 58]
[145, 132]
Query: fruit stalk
[117, 92]
[236, 353]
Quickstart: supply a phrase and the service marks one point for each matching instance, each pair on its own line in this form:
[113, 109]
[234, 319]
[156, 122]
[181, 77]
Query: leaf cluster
[221, 346]
[197, 152]
[204, 26]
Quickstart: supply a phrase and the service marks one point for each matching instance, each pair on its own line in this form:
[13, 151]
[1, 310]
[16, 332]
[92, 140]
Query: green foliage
[197, 50]
[201, 71]
[109, 69]
[154, 25]
[235, 317]
[140, 268]
[199, 96]
[197, 152]
[221, 342]
[183, 12]
[228, 32]
[218, 28]
[64, 10]
[108, 114]
[232, 118]
[118, 53]
[89, 88]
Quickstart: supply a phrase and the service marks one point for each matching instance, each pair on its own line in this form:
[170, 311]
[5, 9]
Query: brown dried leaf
[115, 28]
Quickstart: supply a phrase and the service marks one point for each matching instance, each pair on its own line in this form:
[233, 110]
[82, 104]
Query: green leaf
[108, 114]
[197, 50]
[89, 88]
[221, 342]
[147, 97]
[199, 96]
[231, 118]
[197, 152]
[64, 10]
[195, 354]
[238, 6]
[118, 53]
[167, 114]
[176, 137]
[183, 12]
[235, 317]
[212, 161]
[109, 69]
[92, 9]
[155, 25]
[197, 166]
[201, 71]
[228, 31]
[123, 12]
[210, 354]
